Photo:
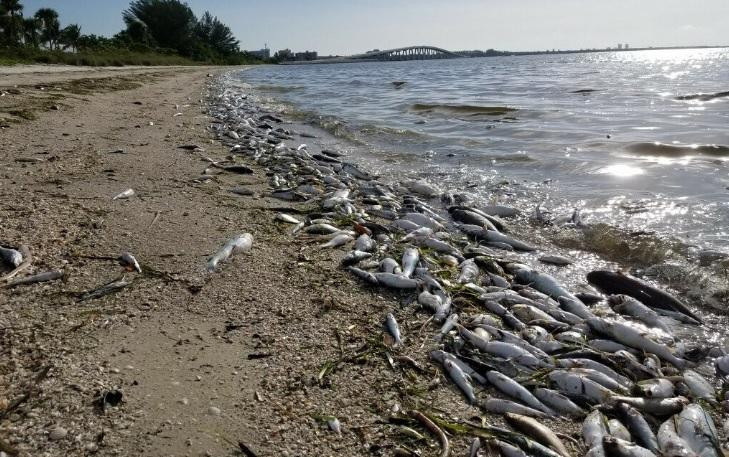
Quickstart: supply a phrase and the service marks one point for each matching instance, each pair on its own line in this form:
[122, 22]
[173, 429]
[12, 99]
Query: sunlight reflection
[622, 170]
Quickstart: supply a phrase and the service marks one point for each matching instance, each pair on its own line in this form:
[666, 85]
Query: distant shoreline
[347, 59]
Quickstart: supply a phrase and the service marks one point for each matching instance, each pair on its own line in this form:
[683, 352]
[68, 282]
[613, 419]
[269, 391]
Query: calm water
[571, 131]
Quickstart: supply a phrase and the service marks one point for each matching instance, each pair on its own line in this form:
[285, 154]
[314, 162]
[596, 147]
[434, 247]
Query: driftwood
[40, 277]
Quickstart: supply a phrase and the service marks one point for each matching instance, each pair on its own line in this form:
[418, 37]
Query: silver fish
[128, 260]
[558, 402]
[516, 390]
[410, 259]
[364, 243]
[239, 243]
[578, 386]
[624, 304]
[355, 257]
[639, 427]
[631, 337]
[657, 406]
[393, 328]
[441, 356]
[125, 194]
[460, 379]
[338, 240]
[695, 426]
[469, 271]
[618, 430]
[655, 388]
[670, 444]
[615, 447]
[700, 388]
[364, 275]
[286, 218]
[396, 281]
[501, 406]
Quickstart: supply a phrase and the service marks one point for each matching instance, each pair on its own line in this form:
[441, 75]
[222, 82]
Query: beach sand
[204, 361]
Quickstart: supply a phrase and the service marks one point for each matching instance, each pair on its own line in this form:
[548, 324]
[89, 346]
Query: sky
[344, 27]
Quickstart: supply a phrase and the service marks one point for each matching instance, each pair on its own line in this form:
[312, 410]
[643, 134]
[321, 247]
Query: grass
[116, 57]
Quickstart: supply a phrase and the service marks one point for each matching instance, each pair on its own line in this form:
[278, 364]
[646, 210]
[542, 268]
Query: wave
[669, 150]
[379, 129]
[703, 97]
[278, 89]
[460, 110]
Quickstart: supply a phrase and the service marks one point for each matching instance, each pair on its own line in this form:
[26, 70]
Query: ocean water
[630, 139]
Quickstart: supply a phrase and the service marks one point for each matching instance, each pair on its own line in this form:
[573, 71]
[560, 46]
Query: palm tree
[69, 36]
[50, 27]
[170, 23]
[31, 32]
[13, 20]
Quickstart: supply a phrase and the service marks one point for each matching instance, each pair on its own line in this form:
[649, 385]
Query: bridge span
[397, 54]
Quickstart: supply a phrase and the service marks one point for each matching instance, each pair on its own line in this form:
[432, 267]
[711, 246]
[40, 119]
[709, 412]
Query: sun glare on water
[622, 170]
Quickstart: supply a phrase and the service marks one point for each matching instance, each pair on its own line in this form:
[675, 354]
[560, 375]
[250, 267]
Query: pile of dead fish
[514, 340]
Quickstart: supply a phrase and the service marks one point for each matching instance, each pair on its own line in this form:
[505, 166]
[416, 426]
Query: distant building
[620, 46]
[264, 53]
[306, 55]
[627, 46]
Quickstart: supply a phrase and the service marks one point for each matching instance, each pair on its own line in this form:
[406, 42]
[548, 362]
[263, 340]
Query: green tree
[49, 26]
[216, 35]
[170, 23]
[12, 20]
[69, 36]
[31, 32]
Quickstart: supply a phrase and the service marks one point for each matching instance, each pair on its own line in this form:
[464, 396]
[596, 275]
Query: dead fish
[239, 243]
[501, 406]
[364, 275]
[321, 229]
[469, 271]
[106, 289]
[396, 281]
[288, 195]
[655, 388]
[460, 379]
[695, 426]
[364, 243]
[629, 306]
[615, 447]
[124, 195]
[558, 402]
[409, 261]
[516, 390]
[389, 265]
[129, 261]
[656, 406]
[339, 240]
[555, 260]
[638, 427]
[242, 191]
[334, 425]
[393, 328]
[441, 356]
[618, 430]
[541, 433]
[11, 257]
[355, 257]
[286, 218]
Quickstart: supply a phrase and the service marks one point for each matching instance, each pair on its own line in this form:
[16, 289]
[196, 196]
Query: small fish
[389, 265]
[555, 260]
[393, 329]
[334, 425]
[239, 243]
[541, 433]
[516, 390]
[129, 261]
[287, 218]
[365, 243]
[338, 240]
[321, 229]
[501, 406]
[618, 430]
[124, 195]
[638, 427]
[615, 447]
[11, 257]
[355, 257]
[655, 388]
[396, 281]
[656, 406]
[364, 275]
[558, 402]
[409, 261]
[460, 379]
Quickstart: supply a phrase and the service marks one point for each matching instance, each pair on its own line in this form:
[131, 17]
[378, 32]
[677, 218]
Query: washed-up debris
[128, 261]
[124, 195]
[12, 257]
[240, 243]
[191, 147]
[498, 324]
[109, 288]
[107, 398]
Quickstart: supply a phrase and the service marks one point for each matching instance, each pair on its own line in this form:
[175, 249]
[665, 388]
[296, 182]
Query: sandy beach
[203, 361]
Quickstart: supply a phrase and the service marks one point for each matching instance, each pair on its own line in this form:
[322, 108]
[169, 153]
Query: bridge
[398, 54]
[408, 53]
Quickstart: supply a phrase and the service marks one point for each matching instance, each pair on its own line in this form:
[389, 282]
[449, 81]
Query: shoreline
[204, 361]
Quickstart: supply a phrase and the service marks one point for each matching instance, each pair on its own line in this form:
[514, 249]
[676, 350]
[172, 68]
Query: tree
[70, 36]
[170, 23]
[12, 20]
[31, 32]
[216, 35]
[50, 27]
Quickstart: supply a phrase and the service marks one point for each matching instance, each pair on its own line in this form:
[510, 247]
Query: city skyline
[527, 25]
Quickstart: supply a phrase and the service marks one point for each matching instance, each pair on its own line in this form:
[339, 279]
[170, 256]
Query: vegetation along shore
[158, 32]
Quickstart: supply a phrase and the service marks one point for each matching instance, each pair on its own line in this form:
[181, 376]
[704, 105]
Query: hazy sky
[352, 26]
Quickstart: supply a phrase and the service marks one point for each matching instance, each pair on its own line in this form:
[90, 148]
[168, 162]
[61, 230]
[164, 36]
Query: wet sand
[204, 361]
